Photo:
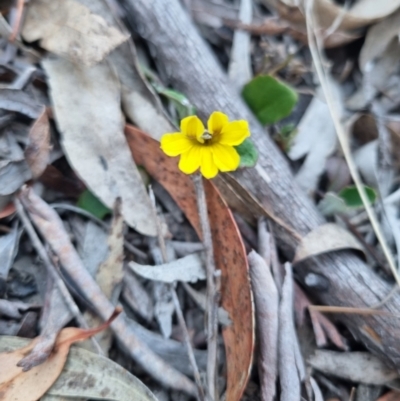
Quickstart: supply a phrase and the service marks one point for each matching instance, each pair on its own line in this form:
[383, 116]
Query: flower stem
[212, 289]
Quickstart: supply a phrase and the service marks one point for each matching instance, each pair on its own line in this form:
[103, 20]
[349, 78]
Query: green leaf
[90, 203]
[352, 198]
[269, 99]
[248, 153]
[87, 375]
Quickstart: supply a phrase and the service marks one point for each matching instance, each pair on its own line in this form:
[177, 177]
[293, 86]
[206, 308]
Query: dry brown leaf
[391, 396]
[17, 384]
[325, 238]
[38, 149]
[8, 210]
[91, 124]
[71, 30]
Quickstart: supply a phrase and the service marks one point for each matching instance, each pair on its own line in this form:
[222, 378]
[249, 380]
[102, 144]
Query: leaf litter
[66, 94]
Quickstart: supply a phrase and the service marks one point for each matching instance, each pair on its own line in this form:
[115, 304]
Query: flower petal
[234, 133]
[216, 122]
[208, 167]
[193, 127]
[175, 144]
[226, 158]
[190, 161]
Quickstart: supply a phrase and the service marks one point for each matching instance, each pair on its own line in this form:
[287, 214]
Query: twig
[212, 285]
[315, 49]
[17, 22]
[51, 270]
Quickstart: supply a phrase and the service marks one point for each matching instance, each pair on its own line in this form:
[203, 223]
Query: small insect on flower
[210, 149]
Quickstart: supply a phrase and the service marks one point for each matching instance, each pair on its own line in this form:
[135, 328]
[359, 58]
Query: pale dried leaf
[325, 238]
[378, 38]
[188, 269]
[239, 70]
[139, 102]
[358, 367]
[91, 125]
[316, 138]
[38, 150]
[69, 29]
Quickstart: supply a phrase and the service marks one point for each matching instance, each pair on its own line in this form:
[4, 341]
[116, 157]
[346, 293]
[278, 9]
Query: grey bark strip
[187, 62]
[288, 369]
[266, 299]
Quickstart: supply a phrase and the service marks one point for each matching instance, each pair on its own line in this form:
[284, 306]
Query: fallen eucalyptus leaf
[188, 269]
[87, 375]
[325, 238]
[38, 150]
[91, 124]
[358, 367]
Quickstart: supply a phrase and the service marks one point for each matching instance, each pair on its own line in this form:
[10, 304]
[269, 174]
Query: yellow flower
[210, 149]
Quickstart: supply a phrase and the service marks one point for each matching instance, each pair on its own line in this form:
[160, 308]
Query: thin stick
[355, 311]
[17, 22]
[51, 270]
[177, 305]
[344, 143]
[212, 289]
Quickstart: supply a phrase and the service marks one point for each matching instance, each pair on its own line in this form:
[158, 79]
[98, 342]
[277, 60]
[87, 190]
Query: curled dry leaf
[71, 30]
[189, 269]
[91, 124]
[38, 149]
[18, 384]
[229, 252]
[325, 238]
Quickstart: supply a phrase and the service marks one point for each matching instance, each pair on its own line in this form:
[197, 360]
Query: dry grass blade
[315, 48]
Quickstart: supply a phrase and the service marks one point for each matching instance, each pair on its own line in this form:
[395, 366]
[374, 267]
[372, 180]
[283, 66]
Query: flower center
[206, 136]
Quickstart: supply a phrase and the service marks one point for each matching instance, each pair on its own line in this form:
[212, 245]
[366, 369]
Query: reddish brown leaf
[38, 149]
[7, 211]
[17, 384]
[230, 254]
[391, 396]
